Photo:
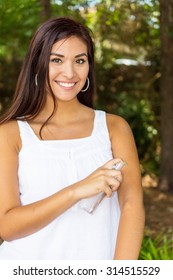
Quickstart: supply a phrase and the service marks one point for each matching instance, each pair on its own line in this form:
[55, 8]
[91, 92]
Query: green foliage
[125, 28]
[160, 248]
[122, 29]
[18, 20]
[128, 94]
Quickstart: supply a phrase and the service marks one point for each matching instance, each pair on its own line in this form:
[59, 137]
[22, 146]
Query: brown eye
[56, 60]
[80, 61]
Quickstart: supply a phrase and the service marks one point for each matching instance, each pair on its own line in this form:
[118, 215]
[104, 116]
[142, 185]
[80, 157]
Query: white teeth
[66, 84]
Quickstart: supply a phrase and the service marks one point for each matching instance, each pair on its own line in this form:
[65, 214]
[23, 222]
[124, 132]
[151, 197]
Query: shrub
[159, 248]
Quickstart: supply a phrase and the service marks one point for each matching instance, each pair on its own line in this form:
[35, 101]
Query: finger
[116, 178]
[116, 185]
[113, 182]
[119, 178]
[115, 188]
[108, 191]
[112, 172]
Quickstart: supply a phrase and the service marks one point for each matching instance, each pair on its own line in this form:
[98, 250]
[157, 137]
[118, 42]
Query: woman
[56, 153]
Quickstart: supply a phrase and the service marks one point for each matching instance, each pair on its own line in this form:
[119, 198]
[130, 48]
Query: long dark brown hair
[29, 99]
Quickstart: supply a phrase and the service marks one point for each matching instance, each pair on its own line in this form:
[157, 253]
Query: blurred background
[134, 77]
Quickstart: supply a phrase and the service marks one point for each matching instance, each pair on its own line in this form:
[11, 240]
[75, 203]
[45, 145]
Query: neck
[65, 111]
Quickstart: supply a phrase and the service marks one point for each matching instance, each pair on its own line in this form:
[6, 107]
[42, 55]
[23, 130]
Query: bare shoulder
[9, 128]
[117, 125]
[10, 135]
[122, 139]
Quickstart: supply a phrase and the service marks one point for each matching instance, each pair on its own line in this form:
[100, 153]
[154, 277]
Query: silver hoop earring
[88, 84]
[36, 81]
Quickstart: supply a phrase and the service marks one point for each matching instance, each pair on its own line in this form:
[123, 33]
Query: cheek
[52, 72]
[85, 71]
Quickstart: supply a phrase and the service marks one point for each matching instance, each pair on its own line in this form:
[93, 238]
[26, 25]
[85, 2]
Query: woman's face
[68, 68]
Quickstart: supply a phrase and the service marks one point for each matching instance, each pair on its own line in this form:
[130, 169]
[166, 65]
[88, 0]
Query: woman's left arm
[130, 193]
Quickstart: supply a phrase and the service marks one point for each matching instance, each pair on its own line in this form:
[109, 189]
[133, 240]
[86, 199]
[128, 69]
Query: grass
[159, 248]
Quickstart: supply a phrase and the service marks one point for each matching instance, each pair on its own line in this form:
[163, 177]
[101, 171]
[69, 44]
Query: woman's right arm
[17, 221]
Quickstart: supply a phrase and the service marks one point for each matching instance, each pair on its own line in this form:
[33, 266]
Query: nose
[69, 71]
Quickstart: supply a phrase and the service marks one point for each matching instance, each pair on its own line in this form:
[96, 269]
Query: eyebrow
[78, 55]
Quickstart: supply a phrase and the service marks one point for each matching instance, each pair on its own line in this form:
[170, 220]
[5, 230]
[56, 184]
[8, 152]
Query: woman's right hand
[104, 179]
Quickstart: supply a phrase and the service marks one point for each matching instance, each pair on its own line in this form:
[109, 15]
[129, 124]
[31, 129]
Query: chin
[66, 98]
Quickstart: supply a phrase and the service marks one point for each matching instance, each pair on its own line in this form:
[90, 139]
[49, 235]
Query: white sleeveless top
[47, 166]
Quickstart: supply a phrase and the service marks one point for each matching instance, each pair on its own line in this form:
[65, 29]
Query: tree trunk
[166, 165]
[45, 9]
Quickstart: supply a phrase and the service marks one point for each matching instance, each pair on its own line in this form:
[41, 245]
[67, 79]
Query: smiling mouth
[66, 85]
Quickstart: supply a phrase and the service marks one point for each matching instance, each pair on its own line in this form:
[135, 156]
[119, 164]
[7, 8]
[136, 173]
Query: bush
[160, 248]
